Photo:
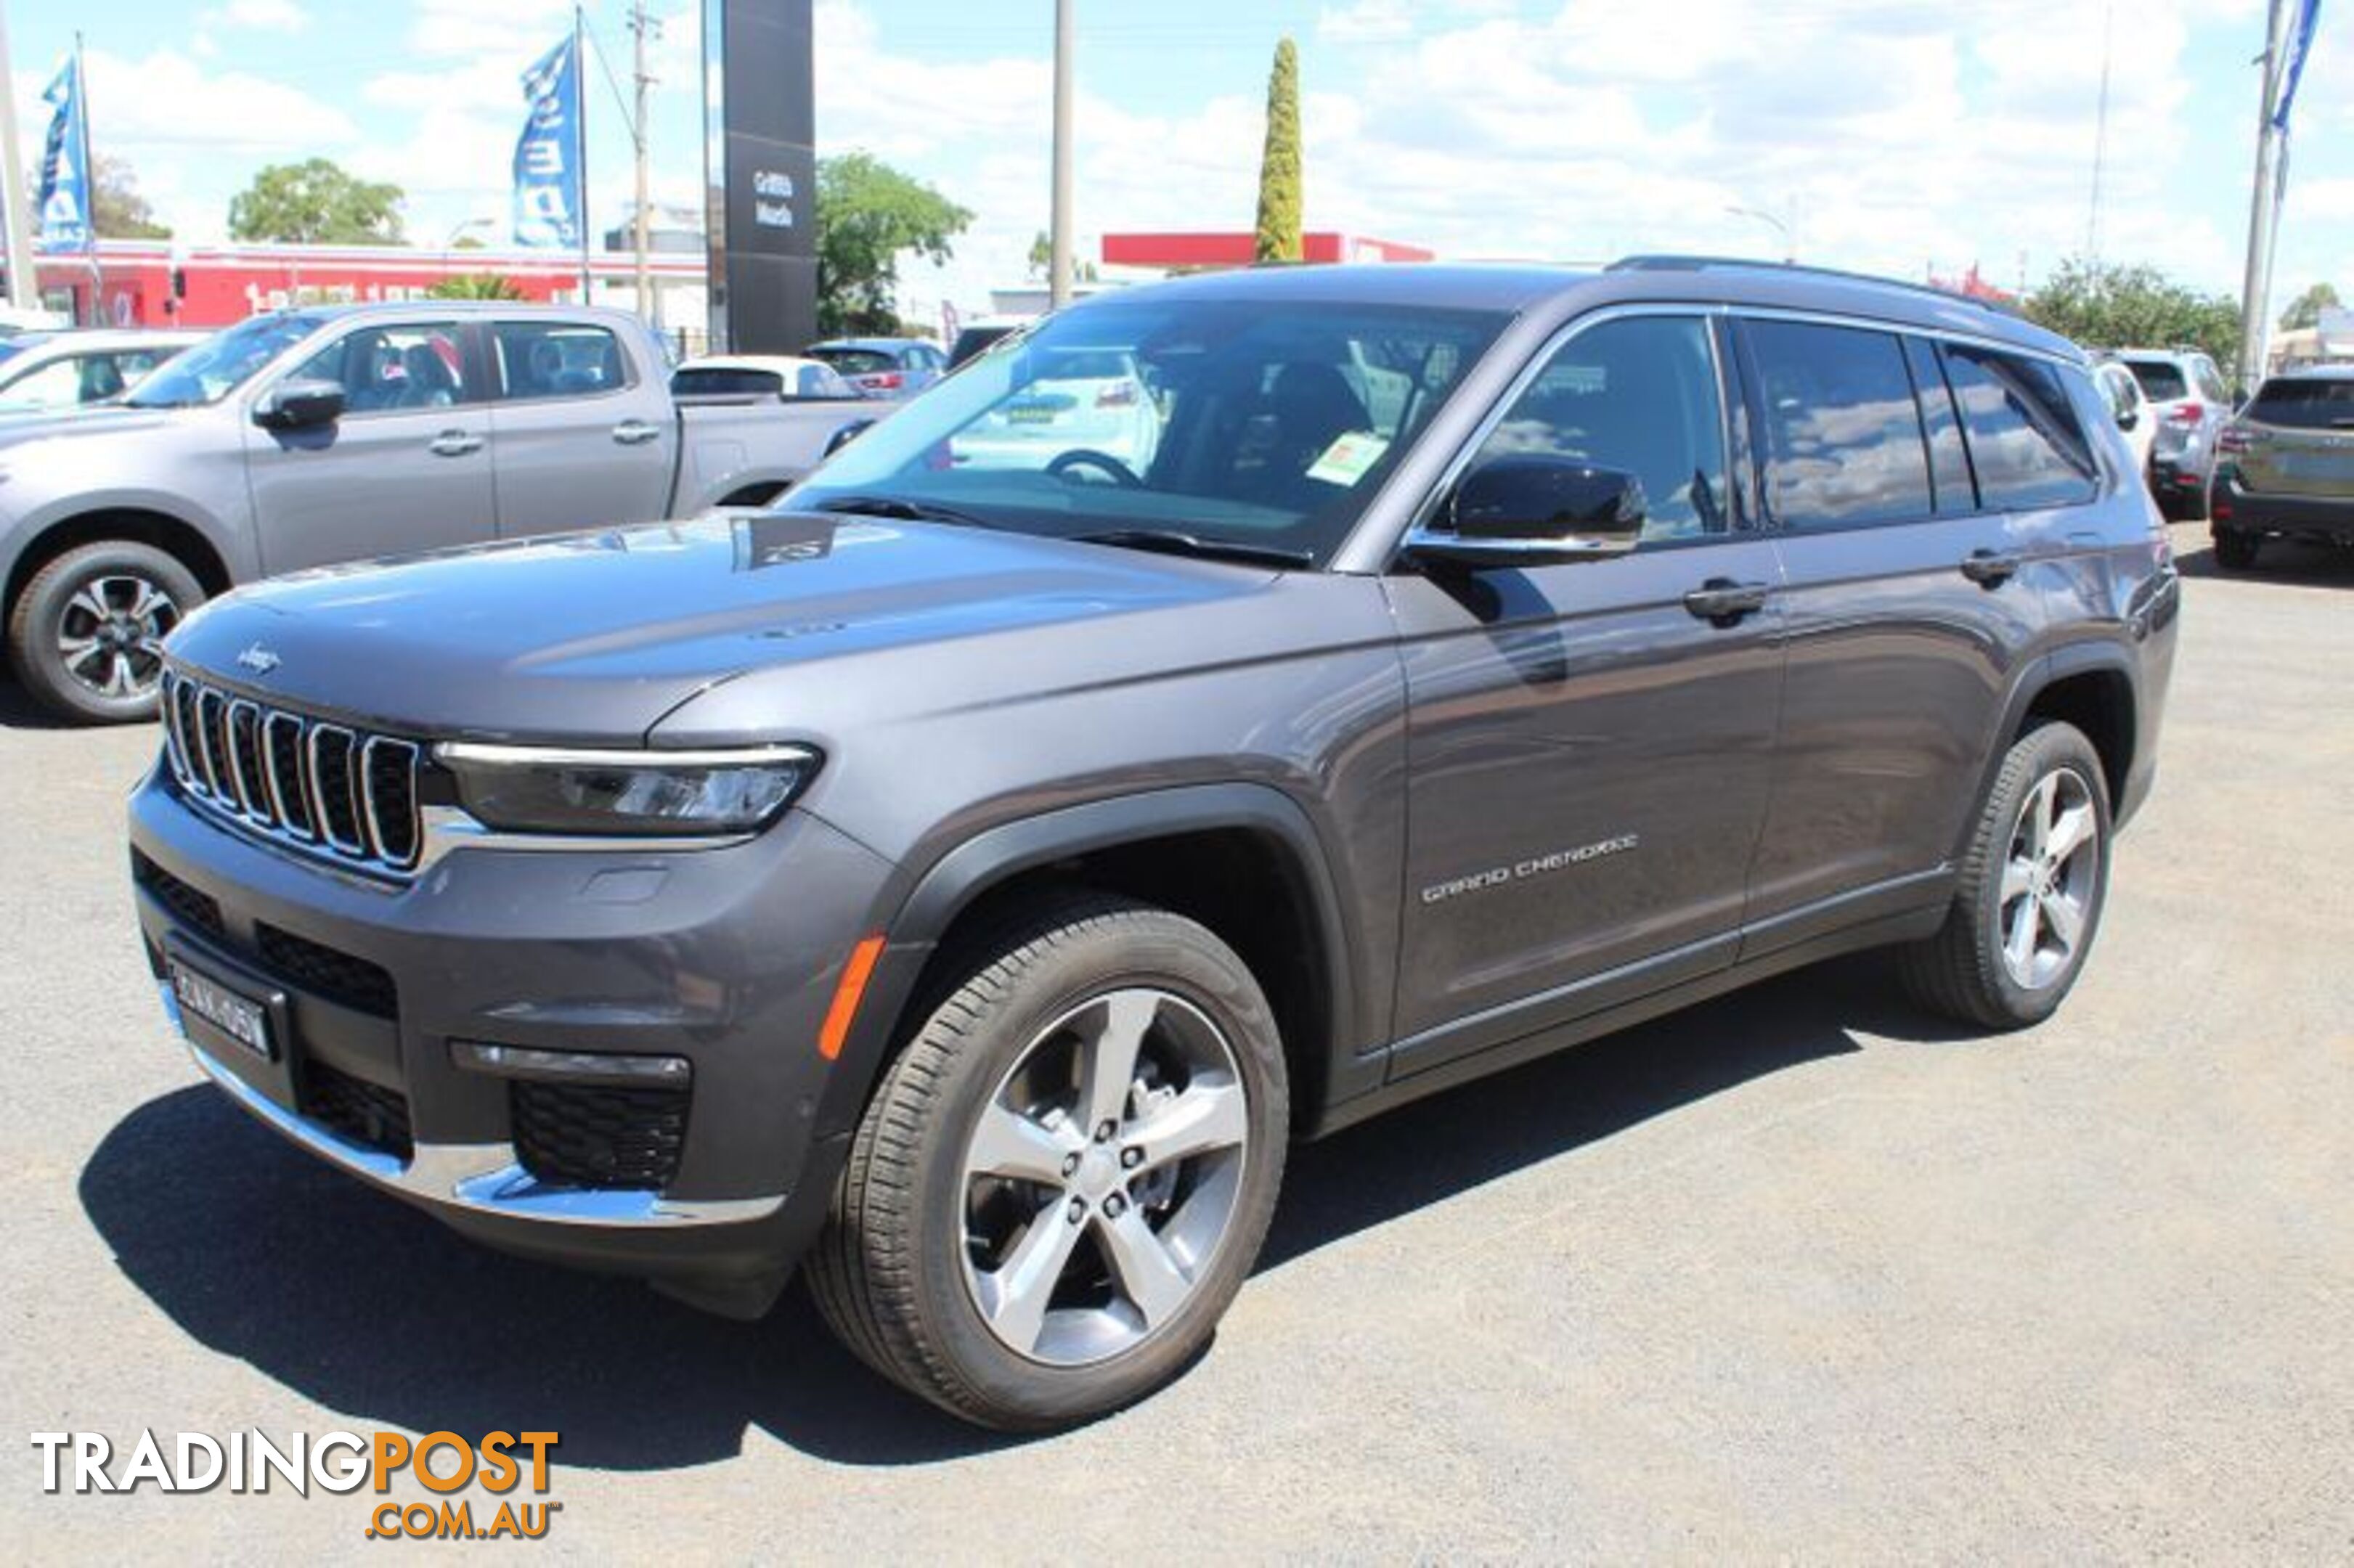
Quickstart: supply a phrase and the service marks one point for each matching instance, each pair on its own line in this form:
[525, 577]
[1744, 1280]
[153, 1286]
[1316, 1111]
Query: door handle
[1990, 568]
[1720, 602]
[636, 432]
[455, 443]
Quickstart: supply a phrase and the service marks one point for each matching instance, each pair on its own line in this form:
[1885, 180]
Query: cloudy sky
[1892, 136]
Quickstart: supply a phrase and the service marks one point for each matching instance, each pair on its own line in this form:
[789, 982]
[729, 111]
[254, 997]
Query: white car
[53, 372]
[779, 375]
[2135, 414]
[1079, 400]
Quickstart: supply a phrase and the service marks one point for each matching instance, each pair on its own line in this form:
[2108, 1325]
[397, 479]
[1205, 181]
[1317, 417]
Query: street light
[1789, 245]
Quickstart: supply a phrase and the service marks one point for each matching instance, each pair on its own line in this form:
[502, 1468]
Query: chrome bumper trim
[484, 1178]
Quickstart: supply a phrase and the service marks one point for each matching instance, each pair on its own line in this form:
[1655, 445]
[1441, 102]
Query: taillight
[1118, 394]
[2186, 413]
[2233, 439]
[2218, 505]
[888, 380]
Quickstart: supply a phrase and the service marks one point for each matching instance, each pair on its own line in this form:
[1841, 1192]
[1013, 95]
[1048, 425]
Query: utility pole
[1058, 269]
[2100, 138]
[644, 26]
[23, 286]
[2264, 204]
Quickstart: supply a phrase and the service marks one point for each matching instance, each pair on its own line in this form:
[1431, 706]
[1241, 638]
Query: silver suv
[2192, 405]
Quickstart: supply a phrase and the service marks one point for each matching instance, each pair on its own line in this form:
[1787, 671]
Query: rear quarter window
[2026, 444]
[726, 381]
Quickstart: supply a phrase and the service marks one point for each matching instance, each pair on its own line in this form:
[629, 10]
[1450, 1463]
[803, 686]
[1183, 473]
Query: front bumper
[2313, 516]
[726, 958]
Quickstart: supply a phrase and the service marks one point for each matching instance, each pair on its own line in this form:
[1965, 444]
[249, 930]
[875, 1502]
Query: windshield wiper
[905, 511]
[1170, 542]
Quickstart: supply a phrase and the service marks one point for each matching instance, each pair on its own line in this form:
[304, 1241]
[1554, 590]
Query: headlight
[530, 789]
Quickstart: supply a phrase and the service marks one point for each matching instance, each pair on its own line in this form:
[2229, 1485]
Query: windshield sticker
[1347, 458]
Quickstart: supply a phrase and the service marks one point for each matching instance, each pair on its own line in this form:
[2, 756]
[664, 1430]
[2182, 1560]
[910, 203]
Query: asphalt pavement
[1798, 1274]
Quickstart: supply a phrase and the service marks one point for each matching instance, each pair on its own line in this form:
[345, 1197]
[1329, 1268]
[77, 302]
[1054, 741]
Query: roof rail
[1673, 262]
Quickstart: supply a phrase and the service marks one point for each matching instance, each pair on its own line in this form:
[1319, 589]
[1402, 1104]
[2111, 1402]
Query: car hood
[595, 637]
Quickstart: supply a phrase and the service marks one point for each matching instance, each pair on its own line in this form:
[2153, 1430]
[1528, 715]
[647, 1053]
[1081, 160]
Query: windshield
[2321, 403]
[1266, 428]
[222, 362]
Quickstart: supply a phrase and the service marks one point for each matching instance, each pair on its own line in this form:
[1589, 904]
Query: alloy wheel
[1102, 1176]
[110, 639]
[2050, 878]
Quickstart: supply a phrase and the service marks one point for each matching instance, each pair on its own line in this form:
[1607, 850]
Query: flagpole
[580, 140]
[24, 282]
[88, 187]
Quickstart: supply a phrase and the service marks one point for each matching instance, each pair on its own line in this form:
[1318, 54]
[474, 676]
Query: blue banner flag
[548, 183]
[65, 166]
[2308, 14]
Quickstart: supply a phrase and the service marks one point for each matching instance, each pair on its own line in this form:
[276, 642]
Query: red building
[131, 284]
[1201, 252]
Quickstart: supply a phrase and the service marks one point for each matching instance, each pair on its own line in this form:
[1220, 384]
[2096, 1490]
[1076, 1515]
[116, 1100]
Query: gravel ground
[1797, 1273]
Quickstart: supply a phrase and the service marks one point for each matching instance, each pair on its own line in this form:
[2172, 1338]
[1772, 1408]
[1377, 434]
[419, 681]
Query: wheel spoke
[2071, 831]
[2039, 820]
[1206, 1116]
[117, 675]
[77, 649]
[1015, 1297]
[1008, 1143]
[2018, 879]
[1111, 1057]
[1147, 1276]
[2067, 922]
[2025, 928]
[148, 599]
[87, 600]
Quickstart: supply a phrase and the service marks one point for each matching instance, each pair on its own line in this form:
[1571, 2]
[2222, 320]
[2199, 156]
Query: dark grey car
[963, 882]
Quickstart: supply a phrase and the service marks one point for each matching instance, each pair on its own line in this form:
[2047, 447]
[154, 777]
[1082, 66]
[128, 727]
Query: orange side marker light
[846, 993]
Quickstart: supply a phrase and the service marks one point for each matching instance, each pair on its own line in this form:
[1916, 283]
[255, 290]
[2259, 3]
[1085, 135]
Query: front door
[407, 467]
[1588, 752]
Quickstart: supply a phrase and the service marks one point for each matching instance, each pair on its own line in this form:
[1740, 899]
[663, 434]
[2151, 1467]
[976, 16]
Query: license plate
[241, 1018]
[1031, 413]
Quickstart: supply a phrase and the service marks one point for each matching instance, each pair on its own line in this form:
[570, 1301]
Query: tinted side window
[1843, 438]
[1949, 461]
[2160, 381]
[726, 381]
[1638, 395]
[557, 360]
[2025, 442]
[390, 369]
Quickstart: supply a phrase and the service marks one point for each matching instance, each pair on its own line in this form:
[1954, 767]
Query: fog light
[572, 1066]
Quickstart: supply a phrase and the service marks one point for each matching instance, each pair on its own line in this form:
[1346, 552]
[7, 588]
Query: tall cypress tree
[1278, 168]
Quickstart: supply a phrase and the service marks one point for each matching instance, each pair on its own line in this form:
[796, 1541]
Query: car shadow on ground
[377, 1313]
[2278, 560]
[19, 710]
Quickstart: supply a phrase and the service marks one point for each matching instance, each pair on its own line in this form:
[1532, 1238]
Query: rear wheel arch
[2089, 683]
[1242, 860]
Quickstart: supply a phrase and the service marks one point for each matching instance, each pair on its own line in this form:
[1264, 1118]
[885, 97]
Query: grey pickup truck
[315, 436]
[963, 882]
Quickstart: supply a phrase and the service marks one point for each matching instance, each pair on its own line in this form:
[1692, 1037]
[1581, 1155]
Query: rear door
[2298, 437]
[1588, 754]
[1910, 604]
[581, 440]
[407, 467]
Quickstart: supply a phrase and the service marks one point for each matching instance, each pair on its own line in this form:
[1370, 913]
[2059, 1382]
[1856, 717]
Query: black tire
[2236, 550]
[56, 607]
[1963, 970]
[893, 1273]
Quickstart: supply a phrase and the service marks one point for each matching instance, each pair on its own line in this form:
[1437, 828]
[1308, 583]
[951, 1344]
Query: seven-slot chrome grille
[324, 787]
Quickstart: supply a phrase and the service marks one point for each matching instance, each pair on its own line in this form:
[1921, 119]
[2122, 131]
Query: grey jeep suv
[960, 882]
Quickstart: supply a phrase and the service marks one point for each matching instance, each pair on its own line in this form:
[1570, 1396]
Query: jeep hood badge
[258, 659]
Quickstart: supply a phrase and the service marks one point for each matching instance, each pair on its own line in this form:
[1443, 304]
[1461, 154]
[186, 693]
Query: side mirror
[299, 404]
[1533, 511]
[2127, 419]
[847, 434]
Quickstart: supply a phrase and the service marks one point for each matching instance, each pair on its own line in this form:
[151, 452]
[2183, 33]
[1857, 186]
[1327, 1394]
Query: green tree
[315, 203]
[1042, 255]
[2109, 305]
[476, 286]
[868, 215]
[116, 205]
[2305, 311]
[1278, 165]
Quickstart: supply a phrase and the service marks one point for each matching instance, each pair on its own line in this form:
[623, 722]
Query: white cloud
[267, 16]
